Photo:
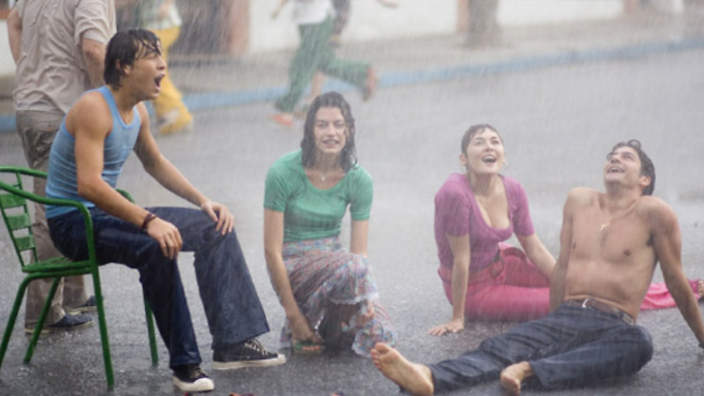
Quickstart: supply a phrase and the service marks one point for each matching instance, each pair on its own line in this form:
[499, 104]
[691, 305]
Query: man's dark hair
[473, 130]
[647, 168]
[348, 156]
[124, 48]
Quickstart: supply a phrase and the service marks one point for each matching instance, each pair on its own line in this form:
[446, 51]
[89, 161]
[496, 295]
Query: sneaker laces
[256, 346]
[197, 373]
[190, 372]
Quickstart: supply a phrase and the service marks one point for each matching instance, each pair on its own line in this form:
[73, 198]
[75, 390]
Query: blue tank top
[61, 182]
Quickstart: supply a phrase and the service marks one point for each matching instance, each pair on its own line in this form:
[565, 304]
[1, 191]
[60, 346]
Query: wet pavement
[558, 121]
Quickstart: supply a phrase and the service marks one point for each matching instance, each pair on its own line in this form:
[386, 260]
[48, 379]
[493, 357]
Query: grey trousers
[37, 130]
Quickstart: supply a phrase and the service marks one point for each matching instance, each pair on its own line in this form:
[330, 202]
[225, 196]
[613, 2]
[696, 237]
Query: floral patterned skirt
[324, 276]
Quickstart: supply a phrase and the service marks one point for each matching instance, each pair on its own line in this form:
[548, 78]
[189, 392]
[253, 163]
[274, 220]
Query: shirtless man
[610, 244]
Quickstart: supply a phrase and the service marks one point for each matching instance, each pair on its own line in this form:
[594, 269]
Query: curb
[212, 100]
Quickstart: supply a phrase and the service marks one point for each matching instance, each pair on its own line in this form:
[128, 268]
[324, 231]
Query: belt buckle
[585, 302]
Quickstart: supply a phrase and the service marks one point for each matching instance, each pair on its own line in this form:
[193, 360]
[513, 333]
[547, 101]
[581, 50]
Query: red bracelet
[149, 217]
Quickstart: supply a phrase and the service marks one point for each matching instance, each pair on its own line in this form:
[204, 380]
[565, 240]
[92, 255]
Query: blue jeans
[572, 346]
[229, 298]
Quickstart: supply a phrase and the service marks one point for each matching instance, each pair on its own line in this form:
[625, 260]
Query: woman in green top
[327, 292]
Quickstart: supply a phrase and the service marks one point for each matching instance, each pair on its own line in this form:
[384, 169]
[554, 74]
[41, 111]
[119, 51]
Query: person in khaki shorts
[59, 50]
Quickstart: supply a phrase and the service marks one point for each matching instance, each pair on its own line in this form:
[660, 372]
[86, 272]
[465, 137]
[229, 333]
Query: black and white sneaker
[190, 378]
[250, 353]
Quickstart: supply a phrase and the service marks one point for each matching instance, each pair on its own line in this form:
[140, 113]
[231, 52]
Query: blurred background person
[162, 17]
[342, 17]
[59, 50]
[315, 20]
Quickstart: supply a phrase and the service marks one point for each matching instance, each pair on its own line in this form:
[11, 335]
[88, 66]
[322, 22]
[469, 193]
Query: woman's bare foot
[700, 288]
[413, 377]
[513, 375]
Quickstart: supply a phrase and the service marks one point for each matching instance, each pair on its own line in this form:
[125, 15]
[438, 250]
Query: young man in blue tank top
[87, 157]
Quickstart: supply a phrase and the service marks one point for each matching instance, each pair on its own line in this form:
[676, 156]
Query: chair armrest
[22, 171]
[41, 199]
[125, 194]
[18, 192]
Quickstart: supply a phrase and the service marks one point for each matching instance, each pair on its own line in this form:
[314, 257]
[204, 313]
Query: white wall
[369, 20]
[7, 65]
[527, 12]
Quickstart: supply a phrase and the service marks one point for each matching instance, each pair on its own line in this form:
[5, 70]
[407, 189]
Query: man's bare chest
[598, 236]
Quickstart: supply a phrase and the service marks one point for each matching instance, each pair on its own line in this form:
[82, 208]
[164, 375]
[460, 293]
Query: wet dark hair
[348, 156]
[647, 168]
[124, 48]
[473, 130]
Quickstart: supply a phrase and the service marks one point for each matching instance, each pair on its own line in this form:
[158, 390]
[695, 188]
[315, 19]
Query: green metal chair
[15, 213]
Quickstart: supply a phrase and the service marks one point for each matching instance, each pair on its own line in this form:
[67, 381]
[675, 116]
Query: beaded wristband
[149, 217]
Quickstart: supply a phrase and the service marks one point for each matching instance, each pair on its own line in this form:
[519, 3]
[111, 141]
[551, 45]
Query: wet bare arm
[273, 247]
[164, 172]
[161, 168]
[537, 253]
[459, 245]
[667, 242]
[14, 34]
[557, 278]
[359, 235]
[89, 121]
[94, 58]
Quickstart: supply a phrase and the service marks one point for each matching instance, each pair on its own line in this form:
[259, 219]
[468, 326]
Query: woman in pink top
[475, 212]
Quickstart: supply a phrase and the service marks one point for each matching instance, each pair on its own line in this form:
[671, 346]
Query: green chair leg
[15, 212]
[103, 329]
[13, 317]
[150, 332]
[40, 323]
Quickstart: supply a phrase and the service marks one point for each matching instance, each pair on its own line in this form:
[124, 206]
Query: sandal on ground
[307, 347]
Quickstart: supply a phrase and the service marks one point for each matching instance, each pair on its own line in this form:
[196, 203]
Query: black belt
[602, 307]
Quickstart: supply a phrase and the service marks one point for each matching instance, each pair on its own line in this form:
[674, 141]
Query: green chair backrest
[15, 214]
